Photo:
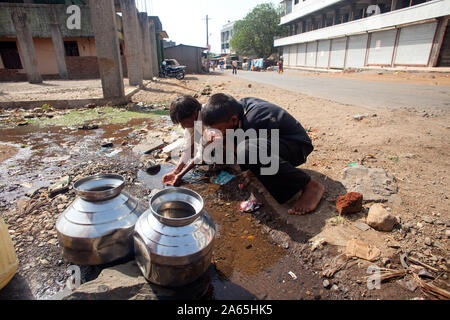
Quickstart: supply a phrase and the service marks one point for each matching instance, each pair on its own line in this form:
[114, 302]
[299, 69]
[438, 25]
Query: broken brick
[349, 203]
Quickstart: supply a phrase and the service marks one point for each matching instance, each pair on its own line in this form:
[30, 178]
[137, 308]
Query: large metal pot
[173, 240]
[98, 226]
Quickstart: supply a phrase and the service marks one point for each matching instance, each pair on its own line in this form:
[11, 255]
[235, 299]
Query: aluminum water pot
[98, 226]
[173, 239]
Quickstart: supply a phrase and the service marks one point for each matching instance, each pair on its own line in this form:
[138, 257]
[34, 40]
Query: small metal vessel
[173, 240]
[98, 226]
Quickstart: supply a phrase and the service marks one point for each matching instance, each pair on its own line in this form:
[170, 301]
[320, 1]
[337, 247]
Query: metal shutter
[356, 52]
[293, 55]
[323, 53]
[381, 47]
[301, 54]
[311, 48]
[286, 55]
[417, 39]
[337, 52]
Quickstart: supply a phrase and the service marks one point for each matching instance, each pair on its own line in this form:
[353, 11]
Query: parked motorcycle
[172, 69]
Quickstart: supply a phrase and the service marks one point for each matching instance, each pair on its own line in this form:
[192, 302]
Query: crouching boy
[277, 135]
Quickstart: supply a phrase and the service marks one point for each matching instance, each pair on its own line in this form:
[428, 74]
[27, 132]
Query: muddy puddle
[247, 264]
[243, 255]
[41, 155]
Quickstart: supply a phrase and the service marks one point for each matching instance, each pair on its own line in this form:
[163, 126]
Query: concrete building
[63, 52]
[225, 37]
[189, 56]
[363, 33]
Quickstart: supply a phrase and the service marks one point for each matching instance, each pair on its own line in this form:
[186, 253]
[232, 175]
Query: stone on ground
[125, 282]
[349, 203]
[380, 219]
[374, 183]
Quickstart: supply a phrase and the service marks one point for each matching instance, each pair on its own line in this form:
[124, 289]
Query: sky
[185, 20]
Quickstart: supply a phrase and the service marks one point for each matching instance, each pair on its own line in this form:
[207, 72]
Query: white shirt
[189, 141]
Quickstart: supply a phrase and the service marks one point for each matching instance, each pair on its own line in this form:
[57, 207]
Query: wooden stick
[423, 264]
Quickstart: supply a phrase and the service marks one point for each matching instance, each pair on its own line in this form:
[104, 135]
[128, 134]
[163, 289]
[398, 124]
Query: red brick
[349, 203]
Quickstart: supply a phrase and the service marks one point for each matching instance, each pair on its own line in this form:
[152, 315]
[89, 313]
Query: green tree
[253, 36]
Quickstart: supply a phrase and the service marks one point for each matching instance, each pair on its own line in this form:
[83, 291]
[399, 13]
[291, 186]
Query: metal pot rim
[177, 222]
[90, 195]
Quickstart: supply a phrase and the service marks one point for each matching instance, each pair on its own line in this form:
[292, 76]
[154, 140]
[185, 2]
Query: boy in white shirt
[185, 110]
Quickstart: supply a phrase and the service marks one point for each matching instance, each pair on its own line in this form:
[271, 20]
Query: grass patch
[107, 115]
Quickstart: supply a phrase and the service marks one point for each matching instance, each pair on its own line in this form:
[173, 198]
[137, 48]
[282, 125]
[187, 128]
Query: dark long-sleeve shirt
[261, 114]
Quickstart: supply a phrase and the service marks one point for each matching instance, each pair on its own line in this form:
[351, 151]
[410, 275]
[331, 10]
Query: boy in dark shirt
[290, 149]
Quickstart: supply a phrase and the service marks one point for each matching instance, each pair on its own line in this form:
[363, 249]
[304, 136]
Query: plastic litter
[249, 206]
[293, 276]
[223, 178]
[112, 154]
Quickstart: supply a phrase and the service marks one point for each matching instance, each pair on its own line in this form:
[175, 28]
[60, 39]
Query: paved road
[372, 94]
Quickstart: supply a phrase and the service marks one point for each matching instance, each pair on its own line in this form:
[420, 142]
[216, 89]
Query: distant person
[214, 66]
[235, 65]
[221, 67]
[280, 66]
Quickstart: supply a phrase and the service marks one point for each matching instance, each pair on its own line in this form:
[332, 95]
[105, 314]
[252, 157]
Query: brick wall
[82, 67]
[12, 75]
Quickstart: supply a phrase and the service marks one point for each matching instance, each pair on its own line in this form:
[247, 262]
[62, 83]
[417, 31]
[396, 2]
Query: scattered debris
[293, 276]
[107, 145]
[338, 263]
[115, 152]
[62, 185]
[318, 244]
[431, 290]
[408, 284]
[359, 117]
[87, 126]
[413, 260]
[223, 178]
[349, 203]
[362, 226]
[363, 250]
[326, 283]
[178, 144]
[249, 206]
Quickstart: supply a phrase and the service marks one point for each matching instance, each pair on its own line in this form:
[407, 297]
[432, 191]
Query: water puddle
[154, 181]
[242, 253]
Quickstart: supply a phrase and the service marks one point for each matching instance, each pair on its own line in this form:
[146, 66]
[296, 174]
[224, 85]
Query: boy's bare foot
[309, 200]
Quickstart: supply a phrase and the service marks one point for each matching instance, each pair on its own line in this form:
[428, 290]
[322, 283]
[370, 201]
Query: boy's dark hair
[220, 107]
[183, 107]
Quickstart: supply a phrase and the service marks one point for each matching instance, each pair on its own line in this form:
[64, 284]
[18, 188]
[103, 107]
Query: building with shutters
[225, 37]
[343, 34]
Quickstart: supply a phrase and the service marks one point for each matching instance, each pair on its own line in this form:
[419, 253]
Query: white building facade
[225, 36]
[343, 34]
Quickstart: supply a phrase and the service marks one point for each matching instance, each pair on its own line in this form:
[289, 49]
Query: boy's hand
[172, 179]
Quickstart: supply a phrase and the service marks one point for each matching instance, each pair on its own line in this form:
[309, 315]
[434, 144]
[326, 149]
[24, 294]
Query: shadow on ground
[302, 228]
[16, 289]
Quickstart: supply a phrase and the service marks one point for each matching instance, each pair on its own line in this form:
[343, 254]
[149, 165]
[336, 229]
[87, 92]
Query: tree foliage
[253, 36]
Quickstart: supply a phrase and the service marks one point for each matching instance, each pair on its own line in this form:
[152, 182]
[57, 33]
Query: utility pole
[207, 32]
[207, 44]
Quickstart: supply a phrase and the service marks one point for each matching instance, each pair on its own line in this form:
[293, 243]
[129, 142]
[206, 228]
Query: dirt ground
[256, 251]
[54, 90]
